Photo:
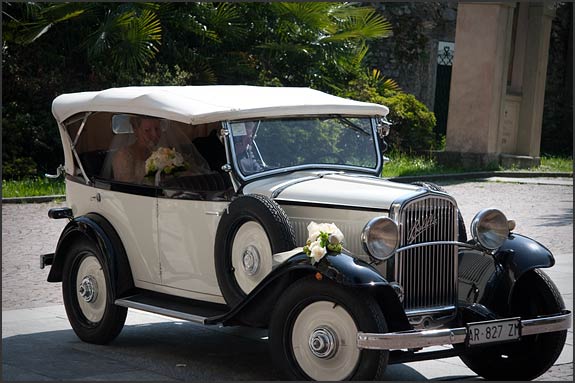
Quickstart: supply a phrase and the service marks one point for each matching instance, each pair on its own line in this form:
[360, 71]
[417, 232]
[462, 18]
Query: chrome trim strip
[329, 205]
[159, 310]
[276, 191]
[427, 338]
[423, 244]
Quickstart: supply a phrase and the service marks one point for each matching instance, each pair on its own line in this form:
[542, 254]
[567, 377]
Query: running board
[174, 307]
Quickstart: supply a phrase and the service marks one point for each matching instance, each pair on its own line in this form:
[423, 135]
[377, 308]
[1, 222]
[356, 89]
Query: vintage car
[265, 207]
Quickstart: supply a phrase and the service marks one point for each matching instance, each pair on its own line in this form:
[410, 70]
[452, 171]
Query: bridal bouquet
[323, 237]
[164, 160]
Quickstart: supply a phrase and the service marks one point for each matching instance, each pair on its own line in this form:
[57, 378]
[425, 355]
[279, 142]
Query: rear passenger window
[185, 160]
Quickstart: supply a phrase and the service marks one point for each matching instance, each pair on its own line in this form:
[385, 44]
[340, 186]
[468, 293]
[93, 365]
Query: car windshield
[264, 145]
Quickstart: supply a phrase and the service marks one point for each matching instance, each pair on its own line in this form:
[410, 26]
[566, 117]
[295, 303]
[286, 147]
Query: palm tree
[126, 35]
[322, 44]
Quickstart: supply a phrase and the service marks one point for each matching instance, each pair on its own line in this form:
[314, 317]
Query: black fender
[487, 281]
[97, 229]
[343, 269]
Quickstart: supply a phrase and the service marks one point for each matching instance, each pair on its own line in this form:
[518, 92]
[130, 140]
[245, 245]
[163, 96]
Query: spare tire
[253, 228]
[462, 237]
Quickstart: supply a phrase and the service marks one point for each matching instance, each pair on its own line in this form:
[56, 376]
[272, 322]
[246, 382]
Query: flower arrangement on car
[322, 237]
[164, 160]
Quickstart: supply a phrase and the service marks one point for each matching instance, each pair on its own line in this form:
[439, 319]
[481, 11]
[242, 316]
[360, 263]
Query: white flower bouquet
[322, 237]
[165, 160]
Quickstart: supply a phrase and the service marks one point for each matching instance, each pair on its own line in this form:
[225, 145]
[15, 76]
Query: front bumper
[426, 338]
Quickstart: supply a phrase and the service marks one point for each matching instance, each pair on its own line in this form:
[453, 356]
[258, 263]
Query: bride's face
[149, 132]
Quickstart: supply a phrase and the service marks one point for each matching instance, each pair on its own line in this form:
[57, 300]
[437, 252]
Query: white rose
[336, 236]
[317, 252]
[313, 230]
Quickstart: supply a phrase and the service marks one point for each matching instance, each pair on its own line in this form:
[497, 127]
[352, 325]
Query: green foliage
[318, 44]
[412, 123]
[31, 187]
[53, 48]
[556, 164]
[404, 164]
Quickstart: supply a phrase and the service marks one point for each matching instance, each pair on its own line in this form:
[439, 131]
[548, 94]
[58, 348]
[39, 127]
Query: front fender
[520, 254]
[342, 269]
[488, 280]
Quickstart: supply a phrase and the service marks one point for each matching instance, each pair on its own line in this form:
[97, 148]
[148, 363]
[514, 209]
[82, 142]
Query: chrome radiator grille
[428, 274]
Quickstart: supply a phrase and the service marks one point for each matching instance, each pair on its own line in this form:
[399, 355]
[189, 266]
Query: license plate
[494, 331]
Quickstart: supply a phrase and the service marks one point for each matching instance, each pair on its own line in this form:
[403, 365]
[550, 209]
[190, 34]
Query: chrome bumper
[427, 338]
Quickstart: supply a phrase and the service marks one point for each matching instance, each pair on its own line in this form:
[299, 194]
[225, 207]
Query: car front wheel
[88, 297]
[313, 333]
[535, 294]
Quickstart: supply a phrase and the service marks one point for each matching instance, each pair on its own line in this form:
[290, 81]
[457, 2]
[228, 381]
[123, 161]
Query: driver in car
[244, 145]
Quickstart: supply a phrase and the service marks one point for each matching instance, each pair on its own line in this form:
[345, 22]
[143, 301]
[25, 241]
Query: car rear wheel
[254, 228]
[313, 333]
[88, 297]
[535, 294]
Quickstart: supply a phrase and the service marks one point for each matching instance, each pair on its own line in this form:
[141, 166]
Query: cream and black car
[264, 207]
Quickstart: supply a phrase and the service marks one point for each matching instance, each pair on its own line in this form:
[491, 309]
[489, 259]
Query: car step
[175, 307]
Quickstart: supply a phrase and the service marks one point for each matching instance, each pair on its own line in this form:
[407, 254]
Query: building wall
[410, 55]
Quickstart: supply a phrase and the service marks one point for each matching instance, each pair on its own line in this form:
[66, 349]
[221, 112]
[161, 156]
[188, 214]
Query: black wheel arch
[343, 269]
[98, 230]
[504, 270]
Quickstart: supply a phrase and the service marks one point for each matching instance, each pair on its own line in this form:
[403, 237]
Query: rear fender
[343, 269]
[98, 230]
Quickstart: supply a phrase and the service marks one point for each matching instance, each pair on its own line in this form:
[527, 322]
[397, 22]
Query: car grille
[428, 274]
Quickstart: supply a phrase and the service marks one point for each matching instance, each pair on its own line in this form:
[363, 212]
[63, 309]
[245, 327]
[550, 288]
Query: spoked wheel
[313, 333]
[535, 294]
[253, 229]
[87, 295]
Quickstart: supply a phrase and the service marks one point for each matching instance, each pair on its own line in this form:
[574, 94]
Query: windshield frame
[376, 171]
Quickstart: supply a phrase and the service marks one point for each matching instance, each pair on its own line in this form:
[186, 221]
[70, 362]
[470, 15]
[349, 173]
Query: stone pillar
[534, 75]
[478, 82]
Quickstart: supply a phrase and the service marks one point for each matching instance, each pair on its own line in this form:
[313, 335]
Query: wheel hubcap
[323, 343]
[89, 289]
[251, 261]
[251, 256]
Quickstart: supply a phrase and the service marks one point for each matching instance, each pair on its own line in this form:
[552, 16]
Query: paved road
[39, 345]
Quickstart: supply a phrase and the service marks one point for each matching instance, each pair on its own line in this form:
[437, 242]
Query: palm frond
[377, 80]
[362, 24]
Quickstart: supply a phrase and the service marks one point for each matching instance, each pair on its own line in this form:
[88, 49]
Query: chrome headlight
[490, 228]
[380, 238]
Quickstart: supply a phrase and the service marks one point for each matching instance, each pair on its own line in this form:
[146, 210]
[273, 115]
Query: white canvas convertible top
[210, 103]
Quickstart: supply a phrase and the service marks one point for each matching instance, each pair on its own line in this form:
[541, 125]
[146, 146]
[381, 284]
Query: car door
[186, 234]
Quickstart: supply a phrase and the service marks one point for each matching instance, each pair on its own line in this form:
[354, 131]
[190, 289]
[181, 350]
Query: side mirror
[383, 127]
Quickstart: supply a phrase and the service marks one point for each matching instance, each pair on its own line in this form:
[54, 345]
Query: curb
[38, 199]
[479, 175]
[402, 179]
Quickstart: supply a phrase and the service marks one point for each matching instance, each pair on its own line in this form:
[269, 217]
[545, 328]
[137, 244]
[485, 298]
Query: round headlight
[380, 237]
[489, 227]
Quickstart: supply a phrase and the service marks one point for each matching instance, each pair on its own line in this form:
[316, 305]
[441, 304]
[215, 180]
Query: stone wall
[410, 55]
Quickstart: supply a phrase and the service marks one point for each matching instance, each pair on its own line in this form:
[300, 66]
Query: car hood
[331, 188]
